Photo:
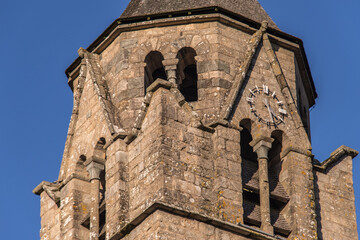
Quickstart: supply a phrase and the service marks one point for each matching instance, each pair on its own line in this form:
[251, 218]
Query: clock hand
[271, 112]
[268, 107]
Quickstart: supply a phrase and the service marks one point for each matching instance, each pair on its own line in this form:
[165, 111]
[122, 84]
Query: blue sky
[39, 40]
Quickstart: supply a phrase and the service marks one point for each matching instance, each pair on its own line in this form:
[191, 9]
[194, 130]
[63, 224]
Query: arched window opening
[154, 68]
[187, 74]
[276, 148]
[82, 159]
[278, 196]
[80, 168]
[100, 152]
[251, 182]
[250, 176]
[247, 151]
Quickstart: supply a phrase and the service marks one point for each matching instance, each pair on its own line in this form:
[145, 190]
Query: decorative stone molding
[101, 89]
[170, 66]
[95, 166]
[285, 90]
[335, 156]
[52, 190]
[240, 76]
[261, 146]
[159, 83]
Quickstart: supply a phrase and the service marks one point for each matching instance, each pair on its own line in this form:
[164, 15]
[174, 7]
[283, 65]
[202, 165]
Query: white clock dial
[265, 106]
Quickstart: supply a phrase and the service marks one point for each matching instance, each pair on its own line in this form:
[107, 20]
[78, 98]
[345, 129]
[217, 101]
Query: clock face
[266, 107]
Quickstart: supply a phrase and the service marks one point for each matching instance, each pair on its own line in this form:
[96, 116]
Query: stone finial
[95, 166]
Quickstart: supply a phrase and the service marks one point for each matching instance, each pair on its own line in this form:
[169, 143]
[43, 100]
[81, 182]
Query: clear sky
[39, 40]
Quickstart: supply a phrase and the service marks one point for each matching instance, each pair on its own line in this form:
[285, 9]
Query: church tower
[191, 121]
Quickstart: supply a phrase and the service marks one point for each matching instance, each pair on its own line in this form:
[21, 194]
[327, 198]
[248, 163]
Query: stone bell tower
[191, 121]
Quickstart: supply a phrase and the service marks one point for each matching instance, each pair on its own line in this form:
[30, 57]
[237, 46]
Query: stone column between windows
[170, 66]
[262, 146]
[95, 166]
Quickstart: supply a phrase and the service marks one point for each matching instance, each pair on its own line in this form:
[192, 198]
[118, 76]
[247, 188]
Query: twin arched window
[250, 179]
[186, 71]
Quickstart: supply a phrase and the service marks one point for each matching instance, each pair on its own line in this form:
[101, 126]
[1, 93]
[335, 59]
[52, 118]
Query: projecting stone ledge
[52, 189]
[238, 229]
[158, 83]
[336, 156]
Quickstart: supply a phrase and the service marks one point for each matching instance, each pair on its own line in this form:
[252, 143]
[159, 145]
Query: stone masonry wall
[75, 205]
[176, 160]
[336, 202]
[162, 225]
[219, 49]
[173, 163]
[50, 218]
[300, 214]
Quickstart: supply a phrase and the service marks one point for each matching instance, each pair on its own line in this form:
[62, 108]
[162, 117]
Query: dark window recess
[251, 205]
[247, 151]
[278, 196]
[187, 74]
[102, 223]
[154, 68]
[250, 179]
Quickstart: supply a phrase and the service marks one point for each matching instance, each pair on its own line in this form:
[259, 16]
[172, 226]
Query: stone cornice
[335, 156]
[40, 188]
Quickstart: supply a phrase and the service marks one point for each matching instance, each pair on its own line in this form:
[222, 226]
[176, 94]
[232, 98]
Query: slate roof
[247, 8]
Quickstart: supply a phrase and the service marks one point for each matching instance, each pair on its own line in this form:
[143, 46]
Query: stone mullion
[94, 210]
[95, 166]
[264, 195]
[261, 147]
[170, 66]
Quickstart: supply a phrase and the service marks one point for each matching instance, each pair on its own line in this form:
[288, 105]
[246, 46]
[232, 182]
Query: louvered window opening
[250, 179]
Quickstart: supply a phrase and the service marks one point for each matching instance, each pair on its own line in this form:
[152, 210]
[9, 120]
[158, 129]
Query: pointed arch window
[154, 68]
[187, 74]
